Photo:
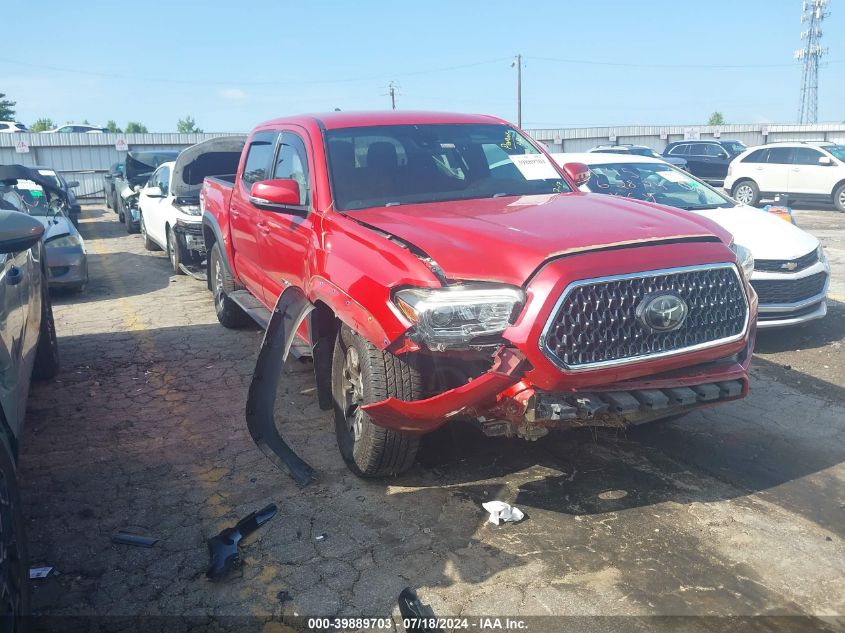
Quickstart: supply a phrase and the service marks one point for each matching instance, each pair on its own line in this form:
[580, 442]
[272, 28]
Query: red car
[450, 270]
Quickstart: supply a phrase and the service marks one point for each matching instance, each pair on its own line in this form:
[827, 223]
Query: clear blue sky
[233, 64]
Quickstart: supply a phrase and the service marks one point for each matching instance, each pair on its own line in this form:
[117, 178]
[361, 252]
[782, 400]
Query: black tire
[839, 198]
[370, 450]
[118, 208]
[174, 251]
[14, 563]
[148, 243]
[47, 352]
[228, 312]
[107, 196]
[114, 201]
[130, 226]
[746, 192]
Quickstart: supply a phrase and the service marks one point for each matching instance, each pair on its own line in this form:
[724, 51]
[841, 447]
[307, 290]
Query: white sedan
[791, 273]
[169, 204]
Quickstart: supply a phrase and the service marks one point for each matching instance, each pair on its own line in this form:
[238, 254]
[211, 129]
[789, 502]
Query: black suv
[708, 160]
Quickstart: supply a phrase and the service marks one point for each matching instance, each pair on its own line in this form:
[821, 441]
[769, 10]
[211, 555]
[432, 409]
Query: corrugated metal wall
[86, 157]
[657, 137]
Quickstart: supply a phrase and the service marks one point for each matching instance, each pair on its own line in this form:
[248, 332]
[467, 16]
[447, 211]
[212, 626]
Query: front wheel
[362, 374]
[839, 198]
[747, 192]
[127, 221]
[174, 251]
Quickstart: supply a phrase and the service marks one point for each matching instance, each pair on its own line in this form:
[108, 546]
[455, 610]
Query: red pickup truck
[450, 270]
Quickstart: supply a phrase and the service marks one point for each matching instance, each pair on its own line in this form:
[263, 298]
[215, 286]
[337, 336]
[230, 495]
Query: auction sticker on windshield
[534, 166]
[673, 176]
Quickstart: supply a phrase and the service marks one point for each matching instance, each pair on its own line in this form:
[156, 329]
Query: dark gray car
[28, 349]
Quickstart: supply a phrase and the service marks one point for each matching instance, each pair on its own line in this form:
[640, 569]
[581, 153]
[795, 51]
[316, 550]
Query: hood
[139, 165]
[767, 236]
[214, 157]
[62, 226]
[506, 239]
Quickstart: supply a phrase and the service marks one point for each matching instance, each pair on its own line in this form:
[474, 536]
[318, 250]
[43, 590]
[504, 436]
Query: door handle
[14, 276]
[263, 227]
[234, 213]
[795, 169]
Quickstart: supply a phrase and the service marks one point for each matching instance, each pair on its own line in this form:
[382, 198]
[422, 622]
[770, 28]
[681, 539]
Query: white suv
[803, 170]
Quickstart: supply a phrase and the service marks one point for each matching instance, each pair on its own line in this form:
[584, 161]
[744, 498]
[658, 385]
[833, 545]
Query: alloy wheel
[744, 194]
[218, 286]
[353, 393]
[842, 199]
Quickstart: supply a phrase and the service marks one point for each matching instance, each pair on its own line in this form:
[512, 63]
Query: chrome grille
[787, 265]
[595, 322]
[774, 291]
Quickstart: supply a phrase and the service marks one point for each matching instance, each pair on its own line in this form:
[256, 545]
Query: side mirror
[73, 183]
[578, 172]
[18, 231]
[137, 188]
[275, 195]
[153, 192]
[825, 160]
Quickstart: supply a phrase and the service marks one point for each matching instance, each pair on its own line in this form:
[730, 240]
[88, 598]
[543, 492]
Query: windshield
[140, 165]
[406, 164]
[734, 147]
[653, 182]
[645, 151]
[34, 200]
[837, 150]
[50, 176]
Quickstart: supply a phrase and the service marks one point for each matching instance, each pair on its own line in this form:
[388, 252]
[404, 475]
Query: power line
[591, 62]
[303, 82]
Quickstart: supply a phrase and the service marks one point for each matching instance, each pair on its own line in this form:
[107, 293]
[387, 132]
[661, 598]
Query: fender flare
[291, 309]
[210, 222]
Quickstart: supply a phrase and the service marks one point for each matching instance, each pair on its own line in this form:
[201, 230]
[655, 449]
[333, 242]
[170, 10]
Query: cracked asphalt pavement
[736, 510]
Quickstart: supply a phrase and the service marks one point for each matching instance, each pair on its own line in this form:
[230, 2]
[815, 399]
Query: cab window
[258, 158]
[781, 155]
[292, 163]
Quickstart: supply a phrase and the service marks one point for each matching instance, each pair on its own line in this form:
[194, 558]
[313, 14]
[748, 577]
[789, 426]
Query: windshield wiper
[502, 195]
[707, 207]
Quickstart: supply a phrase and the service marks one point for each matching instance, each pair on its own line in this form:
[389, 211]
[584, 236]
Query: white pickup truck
[170, 215]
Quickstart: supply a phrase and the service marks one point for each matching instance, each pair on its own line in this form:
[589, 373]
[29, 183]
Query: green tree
[133, 127]
[188, 126]
[111, 126]
[42, 125]
[717, 118]
[7, 108]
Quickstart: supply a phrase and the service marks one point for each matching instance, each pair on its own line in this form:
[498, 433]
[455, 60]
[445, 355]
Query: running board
[261, 315]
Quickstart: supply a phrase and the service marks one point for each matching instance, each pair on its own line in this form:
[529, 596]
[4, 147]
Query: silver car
[66, 255]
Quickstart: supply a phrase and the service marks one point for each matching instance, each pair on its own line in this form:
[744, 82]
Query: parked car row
[791, 273]
[800, 170]
[13, 127]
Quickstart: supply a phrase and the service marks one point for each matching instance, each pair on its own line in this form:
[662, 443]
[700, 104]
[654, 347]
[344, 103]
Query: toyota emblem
[662, 312]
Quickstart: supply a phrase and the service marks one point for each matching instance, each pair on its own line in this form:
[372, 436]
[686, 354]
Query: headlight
[746, 259]
[452, 317]
[64, 241]
[190, 209]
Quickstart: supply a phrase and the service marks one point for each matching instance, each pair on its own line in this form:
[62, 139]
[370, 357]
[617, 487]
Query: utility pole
[518, 63]
[813, 14]
[391, 90]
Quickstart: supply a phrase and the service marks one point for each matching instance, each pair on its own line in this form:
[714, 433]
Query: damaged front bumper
[504, 403]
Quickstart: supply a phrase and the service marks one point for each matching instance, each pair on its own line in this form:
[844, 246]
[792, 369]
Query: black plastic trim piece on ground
[291, 308]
